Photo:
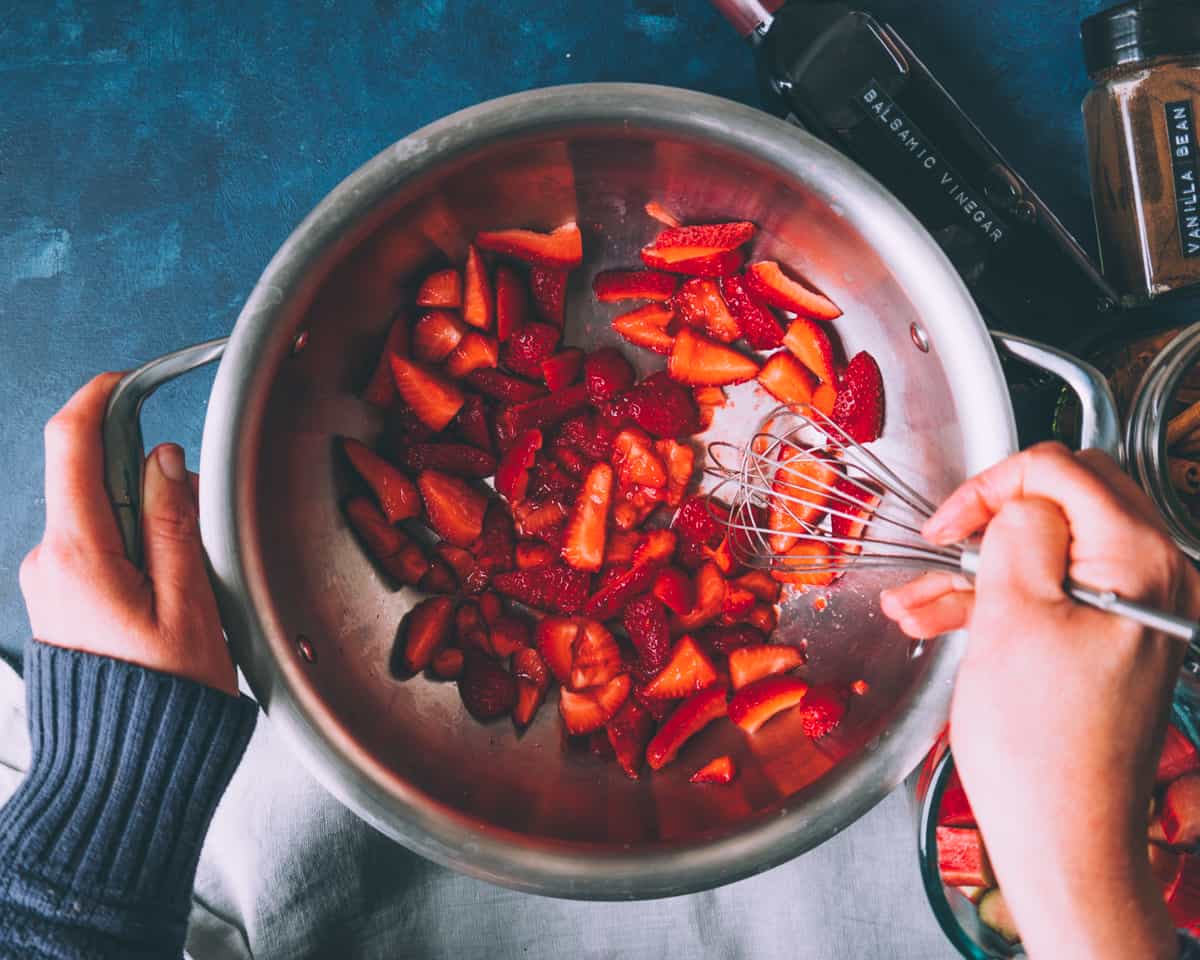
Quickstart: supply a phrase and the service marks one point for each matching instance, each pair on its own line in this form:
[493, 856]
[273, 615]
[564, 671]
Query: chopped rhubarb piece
[508, 635]
[962, 859]
[610, 599]
[636, 461]
[720, 770]
[381, 388]
[479, 300]
[810, 344]
[858, 408]
[759, 583]
[687, 671]
[488, 690]
[661, 407]
[475, 352]
[433, 399]
[595, 656]
[710, 597]
[689, 718]
[541, 413]
[533, 553]
[583, 547]
[690, 243]
[447, 664]
[771, 285]
[512, 473]
[496, 544]
[529, 346]
[787, 379]
[555, 641]
[759, 327]
[1177, 758]
[459, 459]
[698, 361]
[512, 303]
[675, 588]
[549, 288]
[439, 578]
[436, 334]
[453, 507]
[562, 369]
[994, 912]
[425, 629]
[555, 587]
[660, 213]
[825, 398]
[647, 327]
[471, 576]
[716, 265]
[613, 285]
[591, 709]
[606, 374]
[822, 712]
[396, 493]
[533, 679]
[851, 507]
[399, 556]
[645, 621]
[561, 248]
[748, 664]
[441, 289]
[1181, 810]
[699, 304]
[629, 731]
[800, 496]
[501, 386]
[955, 809]
[758, 702]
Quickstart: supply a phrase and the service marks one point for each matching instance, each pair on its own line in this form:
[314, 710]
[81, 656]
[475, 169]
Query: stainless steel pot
[312, 625]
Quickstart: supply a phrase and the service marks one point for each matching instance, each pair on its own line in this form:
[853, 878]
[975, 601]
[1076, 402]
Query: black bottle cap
[1140, 31]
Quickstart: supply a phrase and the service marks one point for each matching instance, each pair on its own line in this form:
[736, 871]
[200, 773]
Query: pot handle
[124, 451]
[1100, 425]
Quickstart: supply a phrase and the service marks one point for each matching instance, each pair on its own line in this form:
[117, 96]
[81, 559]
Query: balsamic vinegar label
[1181, 135]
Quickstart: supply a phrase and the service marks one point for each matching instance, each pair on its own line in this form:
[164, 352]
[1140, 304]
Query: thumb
[1025, 550]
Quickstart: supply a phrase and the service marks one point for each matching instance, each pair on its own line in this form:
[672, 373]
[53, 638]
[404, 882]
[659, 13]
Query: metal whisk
[803, 497]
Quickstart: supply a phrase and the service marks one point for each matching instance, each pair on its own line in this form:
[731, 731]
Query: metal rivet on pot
[1025, 211]
[307, 650]
[919, 338]
[300, 341]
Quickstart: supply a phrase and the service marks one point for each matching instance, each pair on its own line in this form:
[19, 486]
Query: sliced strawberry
[512, 473]
[540, 518]
[763, 618]
[800, 496]
[1183, 896]
[748, 664]
[381, 388]
[716, 265]
[471, 576]
[687, 671]
[618, 549]
[508, 635]
[647, 327]
[590, 434]
[656, 547]
[473, 424]
[491, 607]
[689, 718]
[807, 563]
[680, 460]
[488, 690]
[595, 656]
[475, 352]
[533, 553]
[479, 300]
[699, 304]
[810, 344]
[771, 285]
[583, 547]
[698, 361]
[562, 369]
[675, 588]
[436, 333]
[399, 556]
[696, 523]
[554, 587]
[571, 460]
[606, 374]
[851, 507]
[645, 621]
[529, 346]
[660, 213]
[439, 578]
[661, 407]
[591, 709]
[447, 663]
[822, 712]
[859, 406]
[636, 461]
[629, 730]
[459, 459]
[825, 398]
[759, 701]
[710, 597]
[396, 493]
[962, 860]
[551, 481]
[760, 583]
[787, 379]
[555, 641]
[512, 303]
[433, 399]
[725, 638]
[709, 396]
[690, 243]
[453, 507]
[613, 285]
[425, 629]
[496, 544]
[441, 289]
[501, 386]
[468, 619]
[533, 679]
[1177, 758]
[757, 324]
[549, 288]
[955, 809]
[541, 413]
[1181, 811]
[561, 248]
[720, 770]
[625, 584]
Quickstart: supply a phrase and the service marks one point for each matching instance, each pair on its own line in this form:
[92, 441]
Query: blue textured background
[152, 159]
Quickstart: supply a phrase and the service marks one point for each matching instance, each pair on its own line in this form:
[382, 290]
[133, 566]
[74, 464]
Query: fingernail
[171, 462]
[935, 530]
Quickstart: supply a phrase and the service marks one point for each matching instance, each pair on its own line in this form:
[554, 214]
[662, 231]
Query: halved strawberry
[399, 556]
[759, 701]
[533, 679]
[1178, 756]
[512, 303]
[699, 303]
[660, 406]
[595, 656]
[710, 597]
[479, 300]
[719, 770]
[555, 641]
[512, 473]
[590, 434]
[549, 288]
[696, 523]
[800, 496]
[583, 547]
[690, 243]
[381, 388]
[501, 386]
[636, 461]
[555, 587]
[645, 621]
[441, 289]
[773, 286]
[624, 585]
[955, 809]
[757, 324]
[529, 346]
[851, 507]
[475, 352]
[787, 379]
[698, 361]
[618, 549]
[447, 663]
[562, 247]
[660, 213]
[540, 518]
[473, 424]
[460, 459]
[562, 369]
[715, 265]
[822, 711]
[435, 334]
[748, 664]
[858, 408]
[807, 563]
[962, 859]
[541, 413]
[759, 583]
[439, 578]
[629, 730]
[689, 718]
[687, 671]
[425, 629]
[496, 544]
[725, 638]
[453, 507]
[825, 398]
[488, 690]
[1181, 811]
[606, 374]
[396, 493]
[508, 635]
[533, 553]
[613, 285]
[432, 398]
[810, 344]
[471, 576]
[656, 547]
[675, 588]
[680, 460]
[591, 709]
[647, 327]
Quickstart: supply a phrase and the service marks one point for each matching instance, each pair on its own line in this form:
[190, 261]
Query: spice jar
[1144, 59]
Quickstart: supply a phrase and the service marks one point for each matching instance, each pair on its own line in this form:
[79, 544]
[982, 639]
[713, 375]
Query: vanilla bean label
[927, 162]
[1181, 135]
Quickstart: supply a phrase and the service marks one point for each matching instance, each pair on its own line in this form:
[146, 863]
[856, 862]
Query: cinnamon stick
[1185, 475]
[1183, 424]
